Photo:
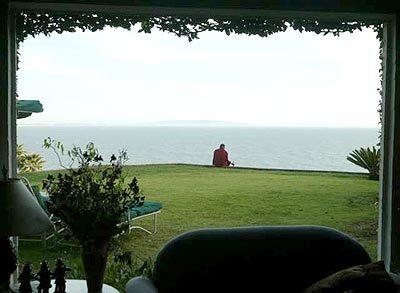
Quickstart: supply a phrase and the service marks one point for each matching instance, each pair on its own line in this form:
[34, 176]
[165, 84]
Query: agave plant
[367, 158]
[27, 162]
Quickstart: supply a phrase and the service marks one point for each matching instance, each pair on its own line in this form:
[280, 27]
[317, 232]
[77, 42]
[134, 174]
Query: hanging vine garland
[31, 24]
[34, 23]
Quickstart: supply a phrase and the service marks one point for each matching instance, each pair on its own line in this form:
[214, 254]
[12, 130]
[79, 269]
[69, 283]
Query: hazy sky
[118, 77]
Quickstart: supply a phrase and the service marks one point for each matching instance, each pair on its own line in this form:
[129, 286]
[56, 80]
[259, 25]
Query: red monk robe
[221, 158]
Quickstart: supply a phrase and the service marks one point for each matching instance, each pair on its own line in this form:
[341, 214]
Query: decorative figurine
[25, 279]
[59, 276]
[44, 276]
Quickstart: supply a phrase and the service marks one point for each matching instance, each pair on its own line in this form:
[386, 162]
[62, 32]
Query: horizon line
[197, 126]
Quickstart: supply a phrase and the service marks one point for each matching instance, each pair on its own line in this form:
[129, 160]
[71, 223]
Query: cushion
[148, 207]
[371, 277]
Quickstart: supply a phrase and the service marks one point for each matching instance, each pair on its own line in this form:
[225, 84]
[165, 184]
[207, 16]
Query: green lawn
[198, 197]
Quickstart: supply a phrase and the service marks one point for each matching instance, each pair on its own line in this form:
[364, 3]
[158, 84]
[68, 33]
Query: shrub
[122, 267]
[28, 162]
[367, 158]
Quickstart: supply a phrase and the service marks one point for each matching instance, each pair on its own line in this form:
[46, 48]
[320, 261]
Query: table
[73, 286]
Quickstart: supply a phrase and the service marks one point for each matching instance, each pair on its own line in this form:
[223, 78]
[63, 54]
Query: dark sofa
[254, 259]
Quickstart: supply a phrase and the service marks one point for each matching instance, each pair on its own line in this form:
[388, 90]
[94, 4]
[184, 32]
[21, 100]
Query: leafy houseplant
[368, 159]
[92, 200]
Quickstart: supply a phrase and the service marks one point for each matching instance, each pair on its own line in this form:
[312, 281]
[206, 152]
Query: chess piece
[25, 279]
[59, 275]
[44, 276]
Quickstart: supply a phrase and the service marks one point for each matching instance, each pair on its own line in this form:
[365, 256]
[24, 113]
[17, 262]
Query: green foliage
[368, 159]
[380, 88]
[28, 162]
[93, 198]
[34, 23]
[123, 266]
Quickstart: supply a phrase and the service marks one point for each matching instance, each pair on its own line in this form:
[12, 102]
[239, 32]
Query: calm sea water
[287, 148]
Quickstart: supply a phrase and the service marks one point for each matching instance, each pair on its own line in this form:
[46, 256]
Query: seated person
[220, 158]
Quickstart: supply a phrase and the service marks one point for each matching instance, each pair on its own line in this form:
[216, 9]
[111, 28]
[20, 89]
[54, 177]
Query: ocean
[260, 147]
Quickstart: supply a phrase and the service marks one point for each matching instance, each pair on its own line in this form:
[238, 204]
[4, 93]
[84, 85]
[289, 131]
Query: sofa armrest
[141, 285]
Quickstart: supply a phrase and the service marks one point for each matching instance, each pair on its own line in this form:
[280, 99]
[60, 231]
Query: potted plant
[92, 200]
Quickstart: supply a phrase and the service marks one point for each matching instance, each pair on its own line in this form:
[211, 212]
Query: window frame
[389, 203]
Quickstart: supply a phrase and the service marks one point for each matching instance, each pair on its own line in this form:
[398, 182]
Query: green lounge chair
[148, 209]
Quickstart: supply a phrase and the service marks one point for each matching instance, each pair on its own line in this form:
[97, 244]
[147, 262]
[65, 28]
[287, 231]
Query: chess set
[44, 276]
